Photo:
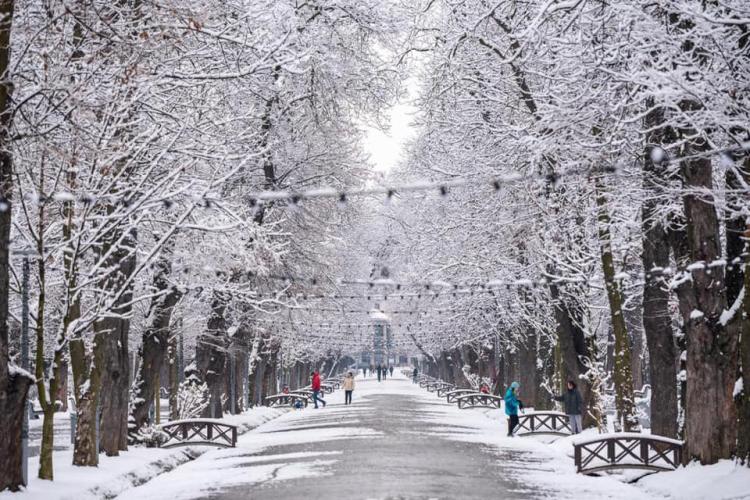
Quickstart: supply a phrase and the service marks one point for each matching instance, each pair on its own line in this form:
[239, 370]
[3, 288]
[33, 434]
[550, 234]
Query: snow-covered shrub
[151, 436]
[192, 399]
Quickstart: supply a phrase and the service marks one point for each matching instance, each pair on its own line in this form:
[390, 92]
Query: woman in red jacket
[316, 389]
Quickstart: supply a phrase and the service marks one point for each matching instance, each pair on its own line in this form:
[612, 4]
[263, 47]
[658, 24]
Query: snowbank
[117, 474]
[726, 480]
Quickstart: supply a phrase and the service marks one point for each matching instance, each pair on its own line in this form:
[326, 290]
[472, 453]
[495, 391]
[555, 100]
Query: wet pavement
[407, 452]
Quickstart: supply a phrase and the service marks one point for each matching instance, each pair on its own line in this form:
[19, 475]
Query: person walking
[315, 384]
[512, 405]
[364, 371]
[380, 372]
[414, 375]
[573, 406]
[390, 370]
[385, 372]
[348, 388]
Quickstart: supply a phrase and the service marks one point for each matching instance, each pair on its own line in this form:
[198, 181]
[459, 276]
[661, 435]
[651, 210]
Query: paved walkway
[396, 441]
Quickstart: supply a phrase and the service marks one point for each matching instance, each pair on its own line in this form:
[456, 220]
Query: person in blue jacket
[512, 405]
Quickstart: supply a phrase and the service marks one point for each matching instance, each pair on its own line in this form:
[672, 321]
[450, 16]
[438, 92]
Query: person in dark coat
[572, 406]
[390, 370]
[380, 372]
[414, 375]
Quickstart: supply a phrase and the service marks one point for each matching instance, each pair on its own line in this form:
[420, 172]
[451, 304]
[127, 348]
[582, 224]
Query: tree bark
[712, 350]
[114, 330]
[657, 322]
[14, 385]
[622, 374]
[572, 346]
[743, 399]
[153, 350]
[544, 373]
[211, 354]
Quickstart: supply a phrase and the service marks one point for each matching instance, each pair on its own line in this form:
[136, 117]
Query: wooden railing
[199, 431]
[543, 422]
[436, 385]
[479, 400]
[442, 391]
[290, 399]
[451, 396]
[627, 451]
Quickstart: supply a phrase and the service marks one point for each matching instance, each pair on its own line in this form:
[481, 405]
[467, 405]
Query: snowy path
[395, 441]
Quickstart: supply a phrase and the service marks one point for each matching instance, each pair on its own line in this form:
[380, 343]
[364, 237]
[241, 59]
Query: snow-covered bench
[627, 450]
[479, 400]
[543, 422]
[290, 399]
[199, 431]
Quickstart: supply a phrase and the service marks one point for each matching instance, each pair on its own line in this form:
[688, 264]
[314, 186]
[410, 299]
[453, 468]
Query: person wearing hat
[512, 405]
[573, 406]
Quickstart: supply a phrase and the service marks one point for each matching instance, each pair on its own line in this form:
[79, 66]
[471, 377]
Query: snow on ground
[307, 445]
[117, 474]
[246, 465]
[553, 469]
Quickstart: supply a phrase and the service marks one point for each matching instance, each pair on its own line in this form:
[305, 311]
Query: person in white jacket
[348, 388]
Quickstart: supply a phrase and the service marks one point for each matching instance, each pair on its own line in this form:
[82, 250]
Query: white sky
[386, 149]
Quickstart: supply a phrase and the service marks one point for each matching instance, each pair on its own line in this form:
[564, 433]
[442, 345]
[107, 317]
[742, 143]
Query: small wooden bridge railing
[324, 388]
[291, 399]
[479, 400]
[625, 450]
[442, 391]
[199, 431]
[543, 422]
[451, 396]
[424, 380]
[436, 385]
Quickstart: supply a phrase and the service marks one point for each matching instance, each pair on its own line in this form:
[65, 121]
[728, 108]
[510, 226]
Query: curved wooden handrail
[626, 450]
[286, 399]
[451, 396]
[199, 431]
[479, 400]
[442, 391]
[543, 422]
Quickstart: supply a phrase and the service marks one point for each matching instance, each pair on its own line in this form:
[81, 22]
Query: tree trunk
[174, 378]
[87, 376]
[14, 385]
[743, 399]
[623, 377]
[712, 350]
[527, 364]
[153, 350]
[544, 373]
[657, 322]
[211, 354]
[114, 330]
[572, 347]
